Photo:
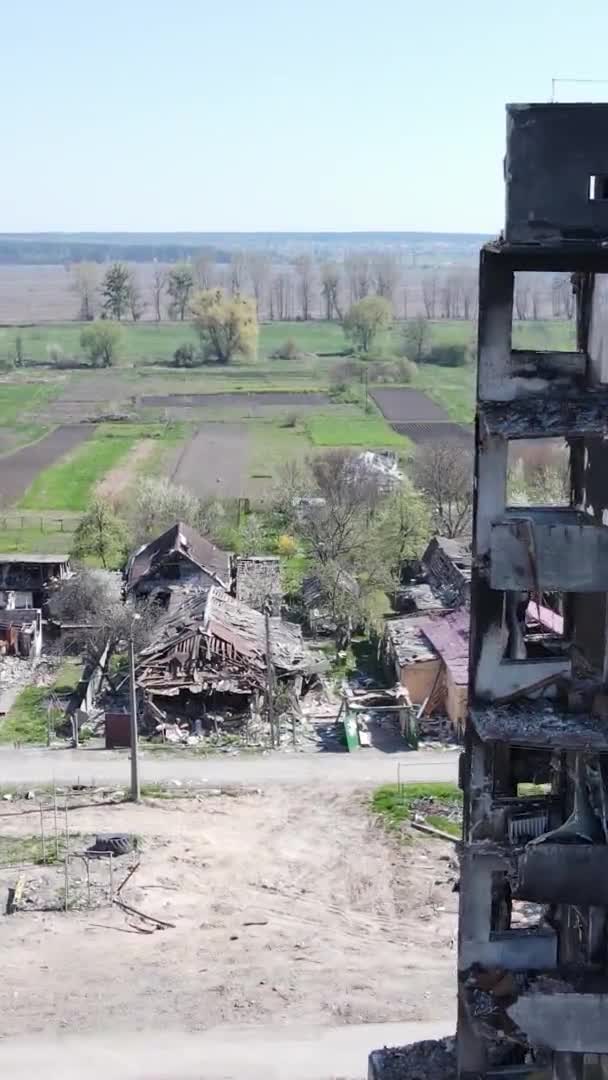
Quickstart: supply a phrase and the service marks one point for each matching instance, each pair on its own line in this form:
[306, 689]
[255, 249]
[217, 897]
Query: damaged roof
[539, 723]
[216, 642]
[407, 641]
[183, 540]
[449, 635]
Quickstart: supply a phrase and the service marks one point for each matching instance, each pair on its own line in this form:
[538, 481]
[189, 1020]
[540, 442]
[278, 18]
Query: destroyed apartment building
[533, 934]
[211, 654]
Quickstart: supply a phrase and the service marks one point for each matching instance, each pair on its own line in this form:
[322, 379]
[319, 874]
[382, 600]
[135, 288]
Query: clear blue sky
[274, 114]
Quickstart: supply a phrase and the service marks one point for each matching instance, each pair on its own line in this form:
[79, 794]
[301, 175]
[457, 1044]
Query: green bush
[449, 356]
[184, 356]
[287, 351]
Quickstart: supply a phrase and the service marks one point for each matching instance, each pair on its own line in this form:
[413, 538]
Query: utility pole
[270, 683]
[133, 724]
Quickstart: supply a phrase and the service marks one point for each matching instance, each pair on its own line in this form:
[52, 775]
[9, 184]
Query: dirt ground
[20, 469]
[215, 461]
[290, 905]
[117, 480]
[402, 405]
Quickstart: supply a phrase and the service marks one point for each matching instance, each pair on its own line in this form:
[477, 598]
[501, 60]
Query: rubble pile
[431, 1059]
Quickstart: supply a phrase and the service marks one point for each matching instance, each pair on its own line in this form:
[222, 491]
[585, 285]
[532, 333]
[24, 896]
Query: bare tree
[443, 472]
[282, 294]
[562, 297]
[388, 276]
[429, 293]
[521, 297]
[535, 299]
[135, 299]
[305, 273]
[85, 283]
[258, 269]
[159, 284]
[238, 271]
[468, 292]
[204, 266]
[330, 290]
[359, 275]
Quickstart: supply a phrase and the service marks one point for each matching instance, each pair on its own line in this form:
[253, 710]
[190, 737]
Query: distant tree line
[303, 288]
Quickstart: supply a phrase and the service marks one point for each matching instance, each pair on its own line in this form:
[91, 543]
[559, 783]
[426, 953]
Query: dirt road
[19, 470]
[272, 1052]
[290, 907]
[363, 769]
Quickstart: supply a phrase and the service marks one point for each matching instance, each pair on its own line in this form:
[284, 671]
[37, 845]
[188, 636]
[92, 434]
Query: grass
[70, 482]
[371, 432]
[24, 850]
[19, 398]
[28, 719]
[394, 803]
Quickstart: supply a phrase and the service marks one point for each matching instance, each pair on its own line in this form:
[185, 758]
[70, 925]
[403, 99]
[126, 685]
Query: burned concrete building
[533, 994]
[533, 922]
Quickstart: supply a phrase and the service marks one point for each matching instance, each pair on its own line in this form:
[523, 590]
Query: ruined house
[428, 655]
[212, 653]
[175, 562]
[318, 604]
[257, 582]
[446, 564]
[21, 632]
[25, 579]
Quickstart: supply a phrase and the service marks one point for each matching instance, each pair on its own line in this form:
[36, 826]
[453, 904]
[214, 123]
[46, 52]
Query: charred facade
[533, 935]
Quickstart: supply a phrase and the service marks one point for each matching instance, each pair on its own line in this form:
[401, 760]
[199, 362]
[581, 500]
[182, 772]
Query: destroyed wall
[447, 564]
[533, 998]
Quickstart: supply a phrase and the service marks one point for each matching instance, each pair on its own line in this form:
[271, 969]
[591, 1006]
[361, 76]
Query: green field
[146, 342]
[70, 483]
[372, 433]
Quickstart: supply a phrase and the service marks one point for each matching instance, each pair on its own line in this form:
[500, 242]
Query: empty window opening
[598, 188]
[538, 473]
[543, 312]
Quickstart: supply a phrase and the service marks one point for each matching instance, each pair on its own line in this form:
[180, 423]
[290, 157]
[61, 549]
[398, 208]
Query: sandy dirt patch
[117, 480]
[345, 927]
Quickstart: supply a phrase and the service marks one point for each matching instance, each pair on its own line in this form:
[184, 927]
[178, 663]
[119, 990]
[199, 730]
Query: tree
[158, 503]
[136, 303]
[358, 271]
[203, 268]
[84, 284]
[402, 528]
[159, 284]
[252, 539]
[115, 290]
[305, 278]
[238, 268]
[91, 601]
[100, 534]
[443, 472]
[388, 274]
[329, 507]
[521, 296]
[100, 341]
[227, 326]
[330, 290]
[180, 283]
[429, 293]
[259, 269]
[416, 338]
[365, 320]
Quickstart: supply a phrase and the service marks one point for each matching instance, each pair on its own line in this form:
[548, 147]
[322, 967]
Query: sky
[272, 115]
